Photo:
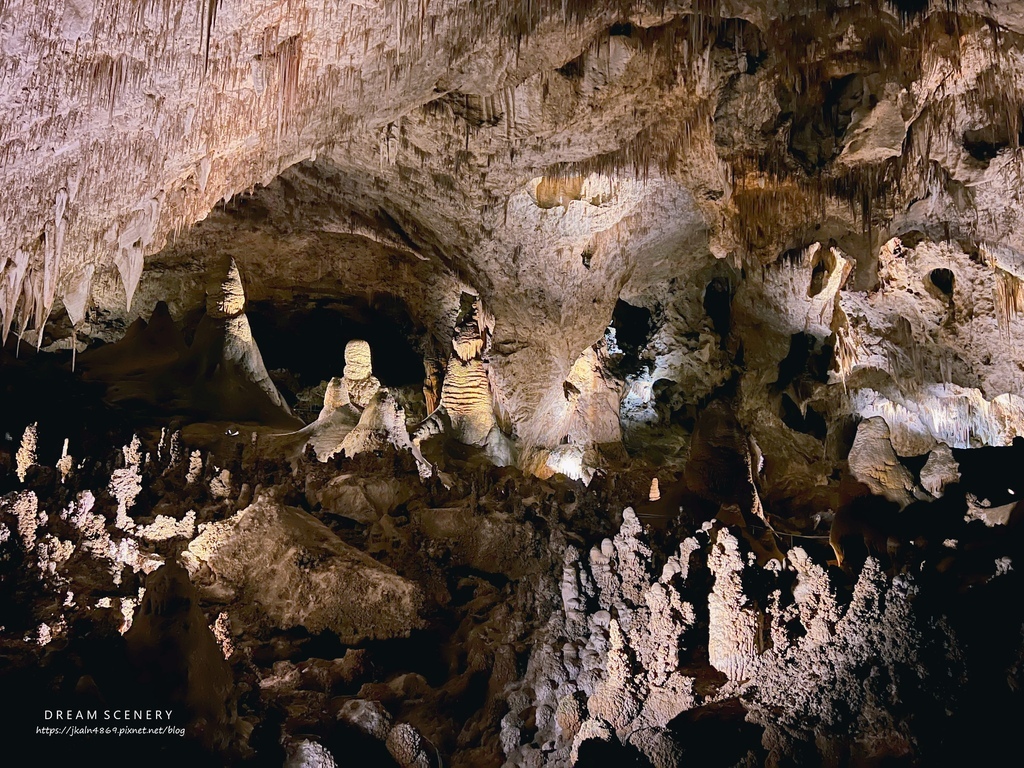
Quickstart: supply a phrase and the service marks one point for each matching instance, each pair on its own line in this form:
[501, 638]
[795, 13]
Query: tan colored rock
[335, 396]
[940, 470]
[26, 455]
[467, 342]
[409, 748]
[293, 571]
[24, 509]
[732, 645]
[126, 483]
[358, 365]
[359, 384]
[618, 699]
[989, 515]
[370, 717]
[308, 754]
[164, 527]
[362, 391]
[466, 396]
[873, 462]
[227, 299]
[361, 499]
[381, 422]
[493, 543]
[65, 463]
[240, 351]
[655, 492]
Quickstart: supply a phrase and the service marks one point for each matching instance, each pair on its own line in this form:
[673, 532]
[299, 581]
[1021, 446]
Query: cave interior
[490, 383]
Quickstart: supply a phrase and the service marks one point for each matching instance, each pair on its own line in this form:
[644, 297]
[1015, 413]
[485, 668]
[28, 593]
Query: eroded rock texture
[515, 382]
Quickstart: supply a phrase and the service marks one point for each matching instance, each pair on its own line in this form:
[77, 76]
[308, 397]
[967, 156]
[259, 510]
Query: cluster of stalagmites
[619, 661]
[271, 566]
[264, 529]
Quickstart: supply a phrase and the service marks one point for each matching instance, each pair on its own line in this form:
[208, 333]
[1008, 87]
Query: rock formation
[359, 382]
[466, 394]
[294, 572]
[518, 383]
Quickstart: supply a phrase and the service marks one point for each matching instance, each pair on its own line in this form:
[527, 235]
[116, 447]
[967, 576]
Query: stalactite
[1009, 299]
[208, 17]
[289, 55]
[11, 288]
[845, 346]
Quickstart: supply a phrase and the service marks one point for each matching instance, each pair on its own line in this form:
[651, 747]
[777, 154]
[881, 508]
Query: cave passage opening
[307, 338]
[633, 326]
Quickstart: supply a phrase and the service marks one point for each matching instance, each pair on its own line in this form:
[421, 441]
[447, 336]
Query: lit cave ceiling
[395, 308]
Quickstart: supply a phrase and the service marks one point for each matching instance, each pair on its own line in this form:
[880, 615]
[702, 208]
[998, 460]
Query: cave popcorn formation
[514, 383]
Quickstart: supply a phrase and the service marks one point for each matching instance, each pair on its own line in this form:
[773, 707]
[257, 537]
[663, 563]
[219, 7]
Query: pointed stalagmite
[27, 456]
[228, 299]
[226, 303]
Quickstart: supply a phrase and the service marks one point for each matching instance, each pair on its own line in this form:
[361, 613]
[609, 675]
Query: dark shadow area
[716, 735]
[810, 423]
[718, 306]
[993, 473]
[308, 338]
[943, 279]
[40, 388]
[633, 329]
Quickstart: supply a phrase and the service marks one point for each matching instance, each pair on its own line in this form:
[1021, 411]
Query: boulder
[293, 571]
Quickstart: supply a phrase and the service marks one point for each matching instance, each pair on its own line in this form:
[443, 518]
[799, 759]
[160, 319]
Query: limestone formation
[175, 653]
[26, 455]
[65, 463]
[466, 397]
[874, 462]
[227, 300]
[309, 754]
[704, 418]
[360, 383]
[226, 305]
[940, 470]
[335, 396]
[126, 483]
[793, 682]
[357, 361]
[287, 569]
[407, 747]
[732, 642]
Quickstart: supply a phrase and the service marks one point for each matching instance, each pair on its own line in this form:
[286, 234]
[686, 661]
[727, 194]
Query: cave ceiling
[547, 158]
[374, 358]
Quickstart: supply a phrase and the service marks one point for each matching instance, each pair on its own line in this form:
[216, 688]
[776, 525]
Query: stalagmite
[360, 383]
[27, 456]
[226, 306]
[466, 392]
[754, 269]
[65, 463]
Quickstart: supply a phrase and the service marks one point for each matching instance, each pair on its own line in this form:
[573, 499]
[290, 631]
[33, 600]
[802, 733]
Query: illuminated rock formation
[752, 273]
[874, 463]
[466, 392]
[26, 456]
[360, 383]
[226, 305]
[286, 568]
